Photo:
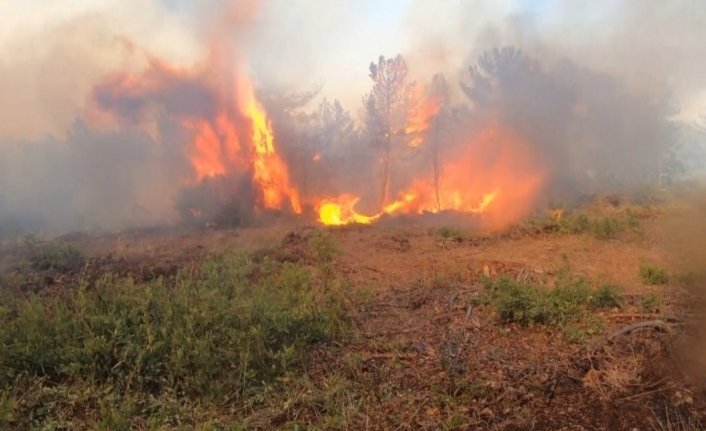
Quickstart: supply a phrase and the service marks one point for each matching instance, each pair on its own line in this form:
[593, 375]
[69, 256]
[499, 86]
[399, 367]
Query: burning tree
[385, 109]
[440, 129]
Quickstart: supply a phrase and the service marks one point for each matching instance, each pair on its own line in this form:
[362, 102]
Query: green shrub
[568, 301]
[650, 303]
[574, 223]
[606, 227]
[451, 233]
[633, 222]
[653, 275]
[324, 247]
[214, 336]
[606, 296]
[56, 255]
[602, 228]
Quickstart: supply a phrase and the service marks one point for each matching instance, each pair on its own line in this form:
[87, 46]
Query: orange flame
[270, 171]
[423, 112]
[340, 211]
[232, 132]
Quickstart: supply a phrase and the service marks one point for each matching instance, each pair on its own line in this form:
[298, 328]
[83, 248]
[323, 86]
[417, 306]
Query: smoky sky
[607, 71]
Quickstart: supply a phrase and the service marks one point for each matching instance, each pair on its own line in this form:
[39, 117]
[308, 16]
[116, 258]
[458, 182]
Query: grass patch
[125, 354]
[653, 275]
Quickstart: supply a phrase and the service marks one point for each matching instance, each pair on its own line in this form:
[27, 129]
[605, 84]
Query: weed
[439, 280]
[324, 247]
[650, 303]
[7, 405]
[574, 223]
[606, 228]
[525, 303]
[451, 233]
[578, 333]
[539, 222]
[633, 222]
[653, 275]
[573, 335]
[606, 296]
[56, 255]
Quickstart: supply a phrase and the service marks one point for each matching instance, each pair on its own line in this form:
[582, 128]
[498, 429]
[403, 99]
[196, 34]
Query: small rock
[487, 412]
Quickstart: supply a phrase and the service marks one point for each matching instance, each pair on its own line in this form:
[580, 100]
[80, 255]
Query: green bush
[606, 227]
[606, 296]
[56, 255]
[451, 233]
[653, 275]
[650, 303]
[568, 301]
[574, 223]
[214, 337]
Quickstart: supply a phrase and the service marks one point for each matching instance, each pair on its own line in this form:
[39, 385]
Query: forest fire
[488, 171]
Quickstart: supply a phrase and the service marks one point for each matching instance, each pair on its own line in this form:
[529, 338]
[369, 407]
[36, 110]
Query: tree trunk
[437, 197]
[386, 160]
[385, 175]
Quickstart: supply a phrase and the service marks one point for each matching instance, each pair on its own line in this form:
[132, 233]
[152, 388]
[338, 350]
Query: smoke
[103, 101]
[651, 46]
[595, 89]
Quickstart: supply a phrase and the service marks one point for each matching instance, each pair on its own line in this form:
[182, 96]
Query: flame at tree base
[496, 175]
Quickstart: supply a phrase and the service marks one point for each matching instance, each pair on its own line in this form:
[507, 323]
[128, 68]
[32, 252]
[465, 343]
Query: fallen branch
[656, 325]
[406, 357]
[650, 324]
[469, 311]
[473, 289]
[652, 316]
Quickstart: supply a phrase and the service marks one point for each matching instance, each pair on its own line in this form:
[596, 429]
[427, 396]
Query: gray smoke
[83, 147]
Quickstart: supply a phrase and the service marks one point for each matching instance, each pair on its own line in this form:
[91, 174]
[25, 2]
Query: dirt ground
[447, 361]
